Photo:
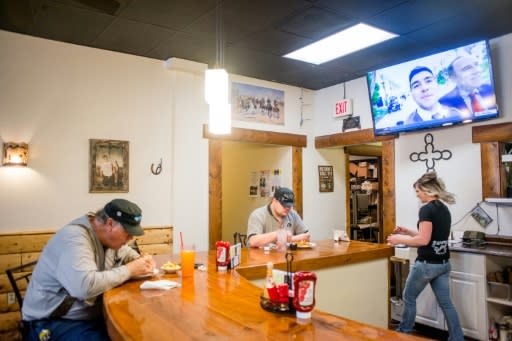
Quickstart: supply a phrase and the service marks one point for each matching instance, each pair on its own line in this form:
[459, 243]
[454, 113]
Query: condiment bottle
[304, 285]
[222, 255]
[270, 285]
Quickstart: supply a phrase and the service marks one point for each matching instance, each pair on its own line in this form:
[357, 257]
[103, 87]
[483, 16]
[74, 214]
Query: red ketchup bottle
[222, 255]
[304, 286]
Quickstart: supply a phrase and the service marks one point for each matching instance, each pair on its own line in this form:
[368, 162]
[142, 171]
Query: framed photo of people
[108, 169]
[326, 178]
[257, 104]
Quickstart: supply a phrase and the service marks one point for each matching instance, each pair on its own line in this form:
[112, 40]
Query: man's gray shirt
[69, 264]
[261, 221]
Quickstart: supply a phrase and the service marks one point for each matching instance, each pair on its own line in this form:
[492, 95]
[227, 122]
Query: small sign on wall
[351, 123]
[343, 108]
[326, 179]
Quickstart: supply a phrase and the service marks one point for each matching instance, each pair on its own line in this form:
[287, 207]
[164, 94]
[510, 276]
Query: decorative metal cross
[430, 155]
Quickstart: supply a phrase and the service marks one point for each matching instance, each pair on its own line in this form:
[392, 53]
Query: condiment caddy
[296, 294]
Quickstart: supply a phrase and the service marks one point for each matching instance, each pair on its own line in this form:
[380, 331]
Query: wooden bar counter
[224, 306]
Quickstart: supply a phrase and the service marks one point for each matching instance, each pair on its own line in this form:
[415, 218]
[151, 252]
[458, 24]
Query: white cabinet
[468, 293]
[428, 312]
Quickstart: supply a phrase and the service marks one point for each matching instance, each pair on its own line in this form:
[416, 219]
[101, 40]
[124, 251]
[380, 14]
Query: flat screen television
[442, 89]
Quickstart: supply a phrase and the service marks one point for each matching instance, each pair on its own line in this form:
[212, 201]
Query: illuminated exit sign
[343, 108]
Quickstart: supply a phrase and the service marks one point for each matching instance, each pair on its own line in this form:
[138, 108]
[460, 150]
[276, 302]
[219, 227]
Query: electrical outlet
[11, 299]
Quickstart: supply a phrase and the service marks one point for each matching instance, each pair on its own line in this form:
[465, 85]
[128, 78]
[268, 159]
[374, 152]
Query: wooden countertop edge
[320, 262]
[352, 329]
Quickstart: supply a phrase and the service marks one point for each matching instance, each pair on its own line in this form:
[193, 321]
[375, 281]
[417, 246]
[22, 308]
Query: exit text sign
[343, 108]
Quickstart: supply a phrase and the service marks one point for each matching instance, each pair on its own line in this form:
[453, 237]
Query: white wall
[56, 97]
[462, 173]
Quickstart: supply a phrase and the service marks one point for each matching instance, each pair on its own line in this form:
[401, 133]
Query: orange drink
[188, 255]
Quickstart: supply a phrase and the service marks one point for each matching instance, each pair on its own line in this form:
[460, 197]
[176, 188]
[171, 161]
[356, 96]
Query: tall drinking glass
[188, 255]
[282, 239]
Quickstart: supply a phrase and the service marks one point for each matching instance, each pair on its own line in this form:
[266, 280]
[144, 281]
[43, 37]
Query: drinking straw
[181, 239]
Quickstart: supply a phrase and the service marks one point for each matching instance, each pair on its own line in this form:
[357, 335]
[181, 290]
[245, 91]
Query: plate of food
[150, 274]
[303, 244]
[170, 267]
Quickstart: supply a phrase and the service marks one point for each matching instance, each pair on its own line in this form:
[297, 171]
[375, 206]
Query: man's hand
[141, 266]
[301, 237]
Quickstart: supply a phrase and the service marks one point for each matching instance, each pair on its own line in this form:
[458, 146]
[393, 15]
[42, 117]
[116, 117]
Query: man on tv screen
[470, 95]
[425, 92]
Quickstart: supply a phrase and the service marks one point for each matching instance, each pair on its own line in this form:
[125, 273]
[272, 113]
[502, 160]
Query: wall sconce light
[15, 154]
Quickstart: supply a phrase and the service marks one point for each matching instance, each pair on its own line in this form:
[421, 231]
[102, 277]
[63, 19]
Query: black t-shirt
[437, 249]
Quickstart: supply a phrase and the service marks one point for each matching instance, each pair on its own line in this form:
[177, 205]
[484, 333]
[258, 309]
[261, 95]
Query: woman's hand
[401, 230]
[394, 239]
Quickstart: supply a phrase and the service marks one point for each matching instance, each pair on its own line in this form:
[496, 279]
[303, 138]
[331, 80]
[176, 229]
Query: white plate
[309, 245]
[151, 274]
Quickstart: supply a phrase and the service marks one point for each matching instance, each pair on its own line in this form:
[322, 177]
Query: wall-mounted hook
[158, 169]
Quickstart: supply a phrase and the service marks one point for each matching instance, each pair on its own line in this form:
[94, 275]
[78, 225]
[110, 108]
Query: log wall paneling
[19, 248]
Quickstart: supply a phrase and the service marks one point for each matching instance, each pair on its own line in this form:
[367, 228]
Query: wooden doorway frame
[297, 142]
[388, 167]
[491, 138]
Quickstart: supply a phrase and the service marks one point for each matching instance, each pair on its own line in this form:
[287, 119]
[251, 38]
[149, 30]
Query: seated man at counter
[264, 222]
[79, 263]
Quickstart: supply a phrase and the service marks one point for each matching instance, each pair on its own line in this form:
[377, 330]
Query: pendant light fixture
[217, 84]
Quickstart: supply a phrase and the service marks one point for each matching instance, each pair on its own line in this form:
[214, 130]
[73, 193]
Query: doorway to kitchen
[364, 192]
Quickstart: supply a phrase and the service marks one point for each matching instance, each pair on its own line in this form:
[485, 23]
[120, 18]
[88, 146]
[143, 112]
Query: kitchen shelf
[499, 301]
[500, 201]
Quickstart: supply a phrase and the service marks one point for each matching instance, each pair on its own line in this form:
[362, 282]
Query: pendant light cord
[219, 47]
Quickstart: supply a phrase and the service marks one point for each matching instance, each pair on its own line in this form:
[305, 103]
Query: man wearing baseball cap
[79, 263]
[264, 222]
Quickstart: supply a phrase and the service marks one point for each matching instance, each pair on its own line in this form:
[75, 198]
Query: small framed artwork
[351, 123]
[326, 179]
[108, 169]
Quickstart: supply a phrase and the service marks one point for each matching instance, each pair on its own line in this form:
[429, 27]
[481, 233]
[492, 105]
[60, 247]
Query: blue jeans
[68, 330]
[438, 276]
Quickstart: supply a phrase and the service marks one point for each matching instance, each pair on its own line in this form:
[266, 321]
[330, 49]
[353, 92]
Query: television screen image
[455, 86]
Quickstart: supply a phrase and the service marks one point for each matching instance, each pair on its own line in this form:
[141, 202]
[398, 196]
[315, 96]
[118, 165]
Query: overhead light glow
[220, 118]
[216, 86]
[340, 44]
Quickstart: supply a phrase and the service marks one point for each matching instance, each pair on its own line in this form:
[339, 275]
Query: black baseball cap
[285, 196]
[127, 214]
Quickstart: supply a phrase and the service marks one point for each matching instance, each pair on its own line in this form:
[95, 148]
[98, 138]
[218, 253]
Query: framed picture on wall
[108, 166]
[257, 104]
[326, 178]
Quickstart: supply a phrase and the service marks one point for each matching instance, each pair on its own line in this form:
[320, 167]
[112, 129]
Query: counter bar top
[214, 305]
[490, 249]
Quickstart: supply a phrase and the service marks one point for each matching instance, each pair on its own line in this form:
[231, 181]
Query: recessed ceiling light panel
[352, 39]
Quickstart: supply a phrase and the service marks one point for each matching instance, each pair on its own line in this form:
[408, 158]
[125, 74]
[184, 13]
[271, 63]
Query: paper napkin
[160, 284]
